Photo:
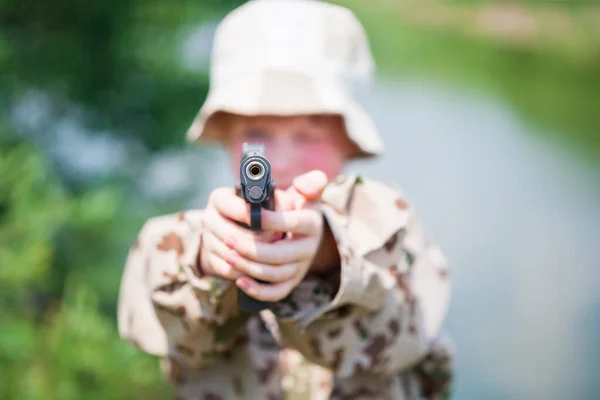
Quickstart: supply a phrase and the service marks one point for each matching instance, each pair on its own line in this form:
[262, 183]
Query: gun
[258, 189]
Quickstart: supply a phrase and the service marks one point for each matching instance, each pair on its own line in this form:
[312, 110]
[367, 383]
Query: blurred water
[517, 218]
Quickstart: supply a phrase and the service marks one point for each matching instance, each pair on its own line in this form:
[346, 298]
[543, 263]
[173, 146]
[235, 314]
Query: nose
[282, 156]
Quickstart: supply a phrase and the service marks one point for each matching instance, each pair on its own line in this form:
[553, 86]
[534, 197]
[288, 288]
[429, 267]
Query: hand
[305, 190]
[237, 253]
[222, 213]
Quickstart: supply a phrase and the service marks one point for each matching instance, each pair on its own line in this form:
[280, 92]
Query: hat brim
[284, 93]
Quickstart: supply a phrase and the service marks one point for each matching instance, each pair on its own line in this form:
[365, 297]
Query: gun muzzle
[255, 170]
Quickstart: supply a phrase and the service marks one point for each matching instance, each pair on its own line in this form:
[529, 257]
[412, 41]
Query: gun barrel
[255, 175]
[255, 170]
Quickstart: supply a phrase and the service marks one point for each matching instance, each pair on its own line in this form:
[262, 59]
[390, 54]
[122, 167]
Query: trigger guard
[255, 217]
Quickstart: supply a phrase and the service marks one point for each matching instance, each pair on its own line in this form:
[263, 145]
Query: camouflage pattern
[374, 331]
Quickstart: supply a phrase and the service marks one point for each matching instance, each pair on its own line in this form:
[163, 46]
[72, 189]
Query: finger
[311, 184]
[298, 200]
[278, 253]
[232, 207]
[229, 205]
[222, 268]
[266, 292]
[214, 245]
[224, 228]
[283, 200]
[304, 222]
[263, 272]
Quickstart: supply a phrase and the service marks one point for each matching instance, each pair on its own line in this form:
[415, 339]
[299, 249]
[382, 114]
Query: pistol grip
[245, 302]
[248, 303]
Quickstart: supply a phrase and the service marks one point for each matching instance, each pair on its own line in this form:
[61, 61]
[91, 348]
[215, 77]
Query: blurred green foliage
[120, 60]
[115, 67]
[54, 341]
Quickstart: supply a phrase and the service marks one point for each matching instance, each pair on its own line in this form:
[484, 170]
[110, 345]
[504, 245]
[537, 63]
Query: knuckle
[308, 217]
[252, 269]
[311, 225]
[282, 273]
[207, 245]
[299, 220]
[228, 271]
[267, 220]
[316, 223]
[221, 267]
[318, 227]
[267, 275]
[294, 222]
[285, 273]
[276, 275]
[217, 195]
[211, 218]
[279, 257]
[213, 196]
[208, 217]
[241, 248]
[234, 261]
[213, 261]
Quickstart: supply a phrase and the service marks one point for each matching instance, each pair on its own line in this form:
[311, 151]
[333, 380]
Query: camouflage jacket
[374, 331]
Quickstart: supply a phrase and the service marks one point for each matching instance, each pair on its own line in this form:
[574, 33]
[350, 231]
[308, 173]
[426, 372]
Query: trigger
[255, 217]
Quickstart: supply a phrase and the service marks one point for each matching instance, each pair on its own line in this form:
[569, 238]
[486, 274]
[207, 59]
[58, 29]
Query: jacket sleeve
[385, 313]
[165, 307]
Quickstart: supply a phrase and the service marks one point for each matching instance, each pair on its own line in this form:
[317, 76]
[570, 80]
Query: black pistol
[258, 189]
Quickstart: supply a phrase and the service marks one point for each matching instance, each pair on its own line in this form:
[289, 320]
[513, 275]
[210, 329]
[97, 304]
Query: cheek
[235, 145]
[325, 158]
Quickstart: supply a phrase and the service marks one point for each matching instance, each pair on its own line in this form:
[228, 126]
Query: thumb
[311, 184]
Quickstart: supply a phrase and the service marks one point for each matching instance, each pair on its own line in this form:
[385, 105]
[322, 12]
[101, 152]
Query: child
[358, 290]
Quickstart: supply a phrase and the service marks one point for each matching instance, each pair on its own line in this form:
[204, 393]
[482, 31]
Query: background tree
[110, 70]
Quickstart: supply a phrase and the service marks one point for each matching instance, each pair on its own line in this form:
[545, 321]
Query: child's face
[294, 145]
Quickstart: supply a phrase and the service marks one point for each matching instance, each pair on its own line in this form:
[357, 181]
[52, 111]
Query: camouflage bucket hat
[290, 57]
